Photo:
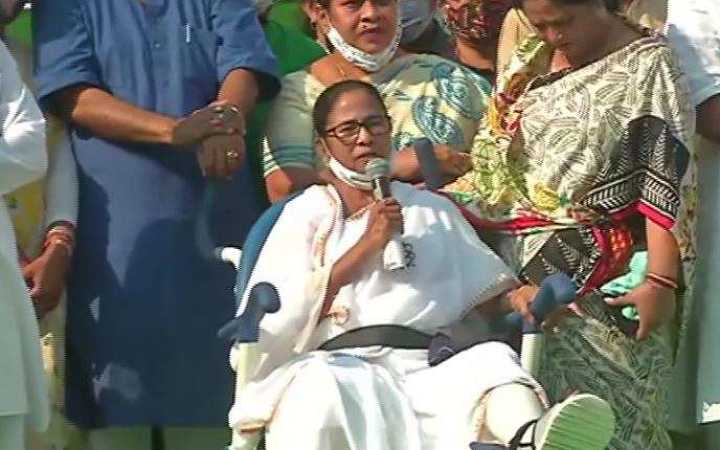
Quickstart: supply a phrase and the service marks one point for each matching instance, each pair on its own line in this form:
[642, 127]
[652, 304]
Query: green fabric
[294, 51]
[20, 29]
[624, 284]
[290, 15]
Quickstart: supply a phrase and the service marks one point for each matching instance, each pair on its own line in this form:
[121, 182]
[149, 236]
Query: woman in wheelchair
[373, 389]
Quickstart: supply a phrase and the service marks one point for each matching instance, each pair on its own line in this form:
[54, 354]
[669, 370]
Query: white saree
[372, 397]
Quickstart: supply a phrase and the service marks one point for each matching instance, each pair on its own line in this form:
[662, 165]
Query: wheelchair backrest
[252, 247]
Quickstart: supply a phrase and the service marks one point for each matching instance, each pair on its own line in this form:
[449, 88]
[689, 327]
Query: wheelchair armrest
[245, 328]
[556, 291]
[236, 328]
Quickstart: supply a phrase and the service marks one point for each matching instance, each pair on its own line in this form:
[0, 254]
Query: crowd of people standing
[574, 136]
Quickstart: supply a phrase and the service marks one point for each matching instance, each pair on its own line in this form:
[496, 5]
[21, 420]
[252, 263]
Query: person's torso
[428, 294]
[159, 55]
[138, 202]
[426, 96]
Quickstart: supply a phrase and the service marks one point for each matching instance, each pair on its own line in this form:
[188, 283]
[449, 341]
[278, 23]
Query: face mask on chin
[348, 176]
[370, 62]
[415, 17]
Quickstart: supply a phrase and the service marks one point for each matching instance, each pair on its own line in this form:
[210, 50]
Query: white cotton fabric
[392, 392]
[394, 402]
[12, 432]
[693, 30]
[61, 184]
[22, 160]
[61, 191]
[694, 34]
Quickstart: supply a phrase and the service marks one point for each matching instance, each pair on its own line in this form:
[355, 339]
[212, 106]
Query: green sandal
[581, 422]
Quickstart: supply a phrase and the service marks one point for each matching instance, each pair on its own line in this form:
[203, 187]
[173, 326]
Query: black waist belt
[394, 336]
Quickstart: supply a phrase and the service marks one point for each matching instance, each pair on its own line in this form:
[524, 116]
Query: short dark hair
[611, 5]
[326, 101]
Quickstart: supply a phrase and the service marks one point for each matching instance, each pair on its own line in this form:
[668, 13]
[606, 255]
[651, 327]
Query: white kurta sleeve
[22, 143]
[288, 261]
[482, 273]
[61, 189]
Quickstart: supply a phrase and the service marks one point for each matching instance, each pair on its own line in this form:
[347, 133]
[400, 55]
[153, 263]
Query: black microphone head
[377, 168]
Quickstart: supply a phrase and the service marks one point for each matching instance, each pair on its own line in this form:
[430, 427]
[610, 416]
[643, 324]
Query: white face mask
[415, 17]
[350, 177]
[370, 62]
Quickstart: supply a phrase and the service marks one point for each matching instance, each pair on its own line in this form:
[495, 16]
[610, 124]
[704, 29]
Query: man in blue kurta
[144, 363]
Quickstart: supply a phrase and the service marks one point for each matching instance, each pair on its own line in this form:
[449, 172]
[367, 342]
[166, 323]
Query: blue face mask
[415, 17]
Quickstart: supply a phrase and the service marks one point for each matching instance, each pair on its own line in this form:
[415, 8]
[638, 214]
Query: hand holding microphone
[385, 221]
[386, 216]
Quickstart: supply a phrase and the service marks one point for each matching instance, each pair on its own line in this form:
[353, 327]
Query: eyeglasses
[348, 132]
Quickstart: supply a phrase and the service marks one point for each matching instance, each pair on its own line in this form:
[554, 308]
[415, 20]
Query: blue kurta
[144, 308]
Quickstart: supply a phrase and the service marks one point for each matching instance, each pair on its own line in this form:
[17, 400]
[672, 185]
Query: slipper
[581, 422]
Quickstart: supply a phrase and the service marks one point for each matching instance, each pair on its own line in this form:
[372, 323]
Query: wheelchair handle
[230, 255]
[429, 165]
[263, 299]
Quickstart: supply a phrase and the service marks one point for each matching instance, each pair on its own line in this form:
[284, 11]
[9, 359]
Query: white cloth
[12, 432]
[22, 160]
[61, 186]
[693, 30]
[452, 272]
[694, 34]
[393, 402]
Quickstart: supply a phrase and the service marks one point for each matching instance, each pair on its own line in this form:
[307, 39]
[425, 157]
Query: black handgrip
[556, 290]
[429, 165]
[263, 299]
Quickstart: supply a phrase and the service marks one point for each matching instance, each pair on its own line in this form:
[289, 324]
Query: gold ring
[232, 154]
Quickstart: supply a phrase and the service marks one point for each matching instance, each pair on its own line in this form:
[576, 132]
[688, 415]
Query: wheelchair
[556, 291]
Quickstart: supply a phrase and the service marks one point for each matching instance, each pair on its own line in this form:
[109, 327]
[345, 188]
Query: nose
[554, 37]
[365, 138]
[369, 11]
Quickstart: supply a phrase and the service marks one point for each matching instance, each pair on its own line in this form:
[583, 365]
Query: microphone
[394, 254]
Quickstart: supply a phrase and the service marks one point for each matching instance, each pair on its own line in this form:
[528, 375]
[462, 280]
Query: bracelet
[662, 281]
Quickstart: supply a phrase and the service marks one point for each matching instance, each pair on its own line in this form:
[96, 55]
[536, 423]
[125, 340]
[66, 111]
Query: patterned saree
[426, 96]
[567, 171]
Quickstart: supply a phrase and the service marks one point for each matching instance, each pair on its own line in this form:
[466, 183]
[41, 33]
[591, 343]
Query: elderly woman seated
[325, 256]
